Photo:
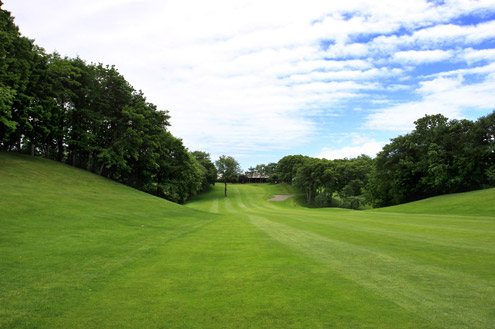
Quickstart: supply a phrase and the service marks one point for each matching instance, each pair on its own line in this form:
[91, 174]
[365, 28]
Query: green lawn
[79, 251]
[476, 203]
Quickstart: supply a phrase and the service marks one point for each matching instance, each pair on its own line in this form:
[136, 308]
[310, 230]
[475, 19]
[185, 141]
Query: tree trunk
[308, 197]
[60, 145]
[88, 166]
[74, 157]
[225, 188]
[31, 145]
[101, 170]
[47, 152]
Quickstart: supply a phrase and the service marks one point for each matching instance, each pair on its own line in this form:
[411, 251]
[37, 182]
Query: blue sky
[259, 80]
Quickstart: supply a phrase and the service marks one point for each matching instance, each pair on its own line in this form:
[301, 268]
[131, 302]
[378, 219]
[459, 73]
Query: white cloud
[440, 84]
[239, 76]
[485, 70]
[471, 55]
[436, 36]
[400, 118]
[370, 148]
[449, 33]
[343, 50]
[344, 75]
[446, 96]
[422, 56]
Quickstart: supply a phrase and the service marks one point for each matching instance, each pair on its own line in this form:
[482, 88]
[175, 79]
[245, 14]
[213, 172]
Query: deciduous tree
[228, 168]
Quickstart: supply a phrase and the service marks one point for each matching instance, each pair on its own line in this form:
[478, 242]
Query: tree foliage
[89, 116]
[332, 182]
[438, 157]
[207, 168]
[287, 167]
[228, 168]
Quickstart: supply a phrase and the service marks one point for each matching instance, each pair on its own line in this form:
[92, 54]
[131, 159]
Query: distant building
[256, 177]
[248, 177]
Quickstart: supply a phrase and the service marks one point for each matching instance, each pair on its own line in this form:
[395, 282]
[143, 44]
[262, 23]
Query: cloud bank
[264, 79]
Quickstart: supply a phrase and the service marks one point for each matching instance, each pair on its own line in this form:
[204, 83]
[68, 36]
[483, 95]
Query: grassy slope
[476, 203]
[66, 235]
[79, 251]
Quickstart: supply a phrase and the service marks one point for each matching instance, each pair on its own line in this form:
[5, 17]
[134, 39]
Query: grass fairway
[79, 251]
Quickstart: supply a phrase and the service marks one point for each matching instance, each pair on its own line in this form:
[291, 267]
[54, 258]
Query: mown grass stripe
[445, 297]
[453, 258]
[214, 206]
[465, 240]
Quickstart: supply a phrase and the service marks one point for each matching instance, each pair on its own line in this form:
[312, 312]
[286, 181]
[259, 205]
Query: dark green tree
[228, 168]
[7, 125]
[18, 59]
[9, 33]
[208, 169]
[270, 170]
[89, 116]
[287, 167]
[308, 177]
[438, 157]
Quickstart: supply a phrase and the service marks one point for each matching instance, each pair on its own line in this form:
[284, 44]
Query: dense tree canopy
[287, 167]
[208, 169]
[328, 182]
[438, 157]
[89, 116]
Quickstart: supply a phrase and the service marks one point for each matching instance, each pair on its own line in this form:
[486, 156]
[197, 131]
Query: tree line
[89, 116]
[439, 156]
[338, 183]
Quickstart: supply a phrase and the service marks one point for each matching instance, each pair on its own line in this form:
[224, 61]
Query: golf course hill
[82, 251]
[66, 233]
[474, 203]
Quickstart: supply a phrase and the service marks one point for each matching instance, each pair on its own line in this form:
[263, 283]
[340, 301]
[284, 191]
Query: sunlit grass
[476, 203]
[80, 251]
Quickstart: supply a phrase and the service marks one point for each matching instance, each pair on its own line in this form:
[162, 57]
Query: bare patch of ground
[280, 197]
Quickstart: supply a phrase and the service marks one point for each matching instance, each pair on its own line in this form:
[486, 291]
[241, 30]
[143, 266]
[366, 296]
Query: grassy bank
[81, 251]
